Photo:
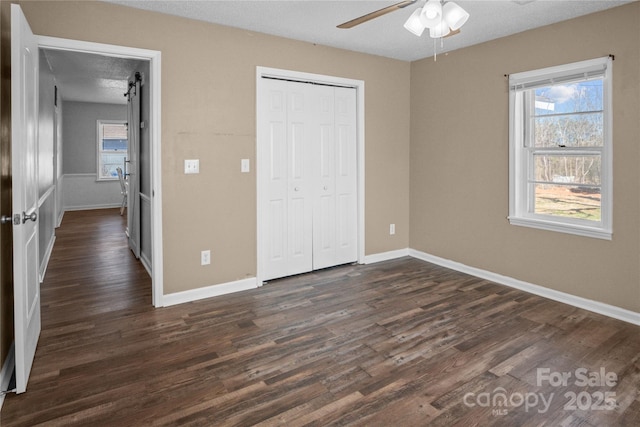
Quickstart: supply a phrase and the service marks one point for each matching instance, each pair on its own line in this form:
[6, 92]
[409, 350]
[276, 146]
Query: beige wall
[459, 160]
[208, 112]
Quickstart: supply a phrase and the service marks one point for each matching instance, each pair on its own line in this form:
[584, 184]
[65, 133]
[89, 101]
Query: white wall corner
[209, 291]
[59, 219]
[576, 301]
[6, 373]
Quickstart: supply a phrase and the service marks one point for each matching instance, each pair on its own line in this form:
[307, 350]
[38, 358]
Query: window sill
[585, 231]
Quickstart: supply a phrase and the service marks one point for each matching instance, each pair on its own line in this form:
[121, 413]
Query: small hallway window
[112, 148]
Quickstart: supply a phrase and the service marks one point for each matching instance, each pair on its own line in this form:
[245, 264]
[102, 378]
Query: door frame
[303, 77]
[154, 80]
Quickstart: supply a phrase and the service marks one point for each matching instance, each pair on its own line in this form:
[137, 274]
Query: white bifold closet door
[308, 172]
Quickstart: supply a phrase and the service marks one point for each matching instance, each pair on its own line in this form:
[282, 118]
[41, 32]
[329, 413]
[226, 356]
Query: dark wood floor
[402, 342]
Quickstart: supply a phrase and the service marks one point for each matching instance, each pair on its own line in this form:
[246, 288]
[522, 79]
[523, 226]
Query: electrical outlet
[392, 229]
[205, 257]
[192, 166]
[244, 166]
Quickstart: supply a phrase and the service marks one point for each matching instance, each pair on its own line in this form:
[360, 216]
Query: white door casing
[24, 157]
[307, 173]
[155, 125]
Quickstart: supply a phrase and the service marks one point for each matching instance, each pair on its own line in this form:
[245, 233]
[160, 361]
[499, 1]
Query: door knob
[33, 217]
[325, 188]
[296, 189]
[5, 219]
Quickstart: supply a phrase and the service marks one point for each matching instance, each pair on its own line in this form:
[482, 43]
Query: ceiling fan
[442, 20]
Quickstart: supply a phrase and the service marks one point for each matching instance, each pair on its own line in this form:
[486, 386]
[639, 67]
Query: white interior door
[24, 123]
[308, 170]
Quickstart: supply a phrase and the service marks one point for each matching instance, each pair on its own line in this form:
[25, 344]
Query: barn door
[133, 166]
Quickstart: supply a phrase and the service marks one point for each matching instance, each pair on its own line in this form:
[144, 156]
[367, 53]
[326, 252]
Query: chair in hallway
[123, 189]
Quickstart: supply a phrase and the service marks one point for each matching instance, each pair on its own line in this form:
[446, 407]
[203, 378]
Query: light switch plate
[192, 166]
[205, 257]
[244, 166]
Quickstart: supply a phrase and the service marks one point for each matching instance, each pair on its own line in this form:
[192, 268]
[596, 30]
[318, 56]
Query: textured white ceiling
[87, 77]
[315, 20]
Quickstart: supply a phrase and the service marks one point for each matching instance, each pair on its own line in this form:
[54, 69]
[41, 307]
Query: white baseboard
[385, 256]
[91, 207]
[209, 291]
[576, 301]
[573, 300]
[7, 371]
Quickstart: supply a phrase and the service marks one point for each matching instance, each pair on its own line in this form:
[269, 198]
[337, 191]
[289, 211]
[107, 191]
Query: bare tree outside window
[568, 134]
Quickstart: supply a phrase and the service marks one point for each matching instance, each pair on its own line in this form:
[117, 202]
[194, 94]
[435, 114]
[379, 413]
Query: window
[560, 163]
[112, 148]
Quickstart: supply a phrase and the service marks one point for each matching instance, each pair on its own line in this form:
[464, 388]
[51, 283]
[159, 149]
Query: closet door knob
[296, 189]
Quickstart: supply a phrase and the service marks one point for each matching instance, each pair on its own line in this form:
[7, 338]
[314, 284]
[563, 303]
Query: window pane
[112, 149]
[567, 201]
[564, 169]
[114, 144]
[570, 98]
[110, 161]
[579, 130]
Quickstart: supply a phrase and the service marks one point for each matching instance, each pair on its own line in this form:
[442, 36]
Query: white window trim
[98, 140]
[519, 212]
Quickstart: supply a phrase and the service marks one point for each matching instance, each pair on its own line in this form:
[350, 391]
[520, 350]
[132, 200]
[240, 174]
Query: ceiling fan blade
[376, 14]
[452, 33]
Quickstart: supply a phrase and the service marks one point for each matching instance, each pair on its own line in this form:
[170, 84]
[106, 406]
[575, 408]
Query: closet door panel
[346, 177]
[308, 171]
[274, 177]
[300, 190]
[324, 218]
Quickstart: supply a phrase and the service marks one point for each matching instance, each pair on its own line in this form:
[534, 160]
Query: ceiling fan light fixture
[454, 15]
[440, 30]
[414, 23]
[431, 13]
